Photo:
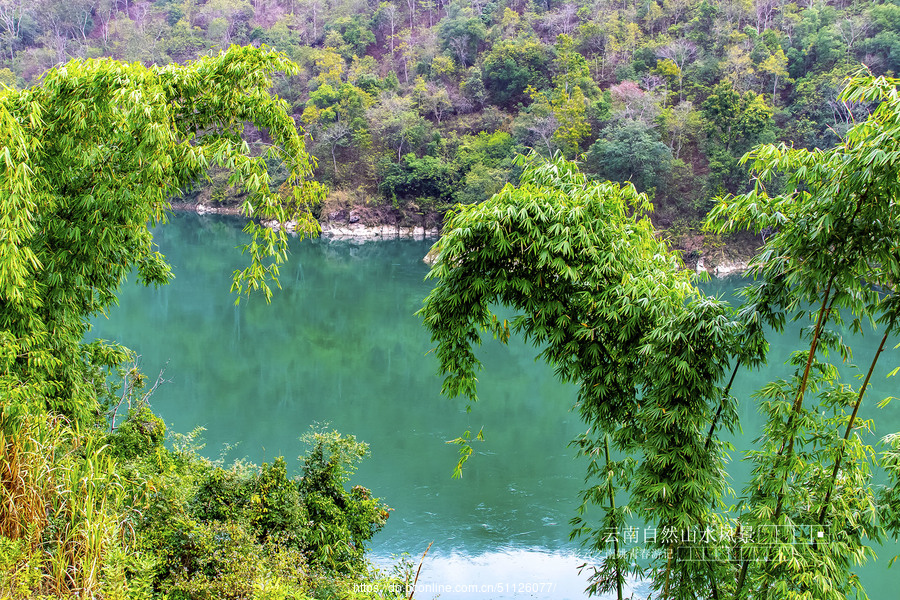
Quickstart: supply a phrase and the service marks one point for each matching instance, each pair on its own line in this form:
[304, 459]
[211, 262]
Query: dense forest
[420, 104]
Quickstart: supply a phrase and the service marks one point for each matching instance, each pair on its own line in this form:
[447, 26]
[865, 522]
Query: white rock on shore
[357, 231]
[204, 209]
[727, 268]
[723, 269]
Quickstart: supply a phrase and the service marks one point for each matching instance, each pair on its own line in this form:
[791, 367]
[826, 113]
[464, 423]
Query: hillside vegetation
[423, 103]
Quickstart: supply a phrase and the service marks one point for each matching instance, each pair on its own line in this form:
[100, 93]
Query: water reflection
[339, 343]
[508, 573]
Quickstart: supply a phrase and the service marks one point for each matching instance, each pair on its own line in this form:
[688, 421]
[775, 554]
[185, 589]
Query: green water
[339, 344]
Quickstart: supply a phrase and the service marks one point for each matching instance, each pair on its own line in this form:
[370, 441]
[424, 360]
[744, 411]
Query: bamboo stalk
[419, 570]
[859, 398]
[795, 410]
[715, 421]
[612, 504]
[798, 402]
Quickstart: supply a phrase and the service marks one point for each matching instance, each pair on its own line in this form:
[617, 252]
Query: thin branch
[859, 398]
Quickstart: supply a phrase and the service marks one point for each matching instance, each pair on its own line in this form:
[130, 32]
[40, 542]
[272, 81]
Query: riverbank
[718, 257]
[356, 224]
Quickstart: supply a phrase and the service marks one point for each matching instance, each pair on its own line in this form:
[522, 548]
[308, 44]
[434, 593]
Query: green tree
[90, 160]
[431, 100]
[833, 256]
[485, 163]
[818, 119]
[572, 69]
[472, 87]
[885, 42]
[570, 108]
[356, 32]
[736, 120]
[776, 66]
[559, 114]
[615, 314]
[630, 151]
[7, 78]
[344, 520]
[228, 20]
[735, 123]
[397, 124]
[676, 57]
[654, 359]
[460, 32]
[511, 67]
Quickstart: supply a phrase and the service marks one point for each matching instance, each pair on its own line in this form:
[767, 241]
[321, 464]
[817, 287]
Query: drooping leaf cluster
[90, 161]
[615, 313]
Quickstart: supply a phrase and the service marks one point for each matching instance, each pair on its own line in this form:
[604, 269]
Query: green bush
[142, 433]
[209, 531]
[277, 512]
[341, 522]
[419, 178]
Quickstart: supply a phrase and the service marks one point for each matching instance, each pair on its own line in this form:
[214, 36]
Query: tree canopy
[91, 158]
[741, 72]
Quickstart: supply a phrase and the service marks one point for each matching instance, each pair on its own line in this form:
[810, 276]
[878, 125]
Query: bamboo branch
[859, 398]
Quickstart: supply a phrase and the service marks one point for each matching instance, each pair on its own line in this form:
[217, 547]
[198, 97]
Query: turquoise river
[340, 344]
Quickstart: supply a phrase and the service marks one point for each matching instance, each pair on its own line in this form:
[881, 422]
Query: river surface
[340, 344]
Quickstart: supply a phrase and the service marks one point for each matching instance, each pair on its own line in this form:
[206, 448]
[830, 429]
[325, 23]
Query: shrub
[142, 433]
[341, 522]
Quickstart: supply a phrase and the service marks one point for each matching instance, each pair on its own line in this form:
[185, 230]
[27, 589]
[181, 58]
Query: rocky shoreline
[358, 232]
[358, 224]
[366, 224]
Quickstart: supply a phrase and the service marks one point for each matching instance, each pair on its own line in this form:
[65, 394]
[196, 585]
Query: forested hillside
[423, 103]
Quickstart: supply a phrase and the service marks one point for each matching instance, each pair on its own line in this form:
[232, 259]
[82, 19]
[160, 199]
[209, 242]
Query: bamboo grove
[654, 359]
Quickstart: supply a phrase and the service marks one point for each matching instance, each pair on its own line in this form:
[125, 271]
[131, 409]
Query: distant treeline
[425, 102]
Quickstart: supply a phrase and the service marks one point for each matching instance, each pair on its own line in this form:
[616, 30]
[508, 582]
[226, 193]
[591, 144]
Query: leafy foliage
[91, 160]
[512, 67]
[94, 507]
[344, 521]
[615, 314]
[834, 248]
[611, 310]
[421, 178]
[225, 531]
